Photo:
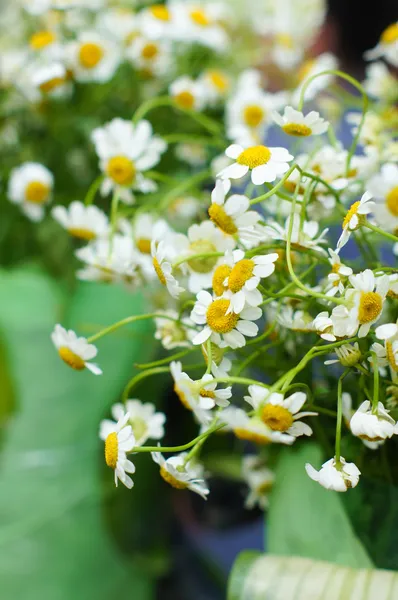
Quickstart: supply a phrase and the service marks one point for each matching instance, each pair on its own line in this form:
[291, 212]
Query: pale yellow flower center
[218, 320]
[390, 34]
[199, 17]
[149, 51]
[351, 212]
[241, 272]
[392, 201]
[81, 233]
[160, 12]
[71, 359]
[51, 84]
[159, 271]
[205, 264]
[185, 99]
[219, 80]
[41, 39]
[253, 115]
[173, 481]
[218, 215]
[144, 245]
[220, 275]
[370, 306]
[111, 450]
[391, 356]
[297, 129]
[285, 40]
[121, 169]
[37, 192]
[90, 54]
[251, 436]
[255, 156]
[206, 393]
[278, 418]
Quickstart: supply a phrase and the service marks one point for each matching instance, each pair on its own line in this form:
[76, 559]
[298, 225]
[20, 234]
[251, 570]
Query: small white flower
[253, 429]
[181, 474]
[119, 439]
[384, 188]
[173, 334]
[293, 122]
[355, 217]
[381, 83]
[387, 47]
[265, 164]
[388, 352]
[311, 67]
[323, 325]
[373, 426]
[30, 186]
[145, 422]
[335, 477]
[348, 412]
[91, 57]
[259, 479]
[296, 320]
[49, 79]
[120, 25]
[304, 234]
[188, 94]
[75, 351]
[338, 275]
[199, 22]
[216, 84]
[347, 355]
[163, 268]
[192, 154]
[223, 327]
[157, 21]
[83, 222]
[152, 57]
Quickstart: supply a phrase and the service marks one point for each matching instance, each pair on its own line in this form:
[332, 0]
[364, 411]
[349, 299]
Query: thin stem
[178, 448]
[375, 401]
[93, 189]
[209, 356]
[137, 378]
[386, 234]
[275, 188]
[197, 256]
[339, 417]
[166, 360]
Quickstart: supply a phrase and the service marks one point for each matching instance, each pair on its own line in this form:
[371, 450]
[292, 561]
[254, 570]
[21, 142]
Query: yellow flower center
[37, 192]
[240, 273]
[391, 356]
[219, 80]
[305, 69]
[185, 99]
[251, 436]
[144, 245]
[149, 51]
[218, 215]
[81, 233]
[278, 418]
[158, 270]
[253, 115]
[297, 129]
[392, 201]
[285, 40]
[199, 17]
[41, 39]
[218, 320]
[335, 267]
[160, 12]
[121, 169]
[352, 211]
[111, 450]
[173, 481]
[90, 54]
[220, 275]
[206, 393]
[255, 156]
[205, 264]
[370, 306]
[390, 34]
[71, 359]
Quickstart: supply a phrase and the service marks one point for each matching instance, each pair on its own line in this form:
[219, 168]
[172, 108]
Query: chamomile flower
[355, 217]
[339, 274]
[387, 352]
[280, 413]
[348, 355]
[199, 22]
[384, 188]
[295, 320]
[30, 185]
[335, 476]
[91, 57]
[373, 425]
[126, 151]
[163, 268]
[191, 153]
[348, 412]
[143, 419]
[216, 85]
[253, 429]
[323, 325]
[174, 333]
[311, 67]
[150, 57]
[188, 94]
[80, 221]
[49, 80]
[182, 474]
[223, 327]
[45, 43]
[259, 480]
[295, 123]
[119, 439]
[157, 21]
[380, 82]
[120, 24]
[75, 351]
[387, 47]
[265, 164]
[304, 235]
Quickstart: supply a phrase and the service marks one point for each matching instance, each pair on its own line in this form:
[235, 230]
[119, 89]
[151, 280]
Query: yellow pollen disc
[144, 245]
[160, 12]
[240, 273]
[352, 211]
[278, 418]
[253, 115]
[81, 233]
[121, 170]
[206, 393]
[220, 275]
[199, 17]
[71, 359]
[36, 192]
[219, 80]
[218, 215]
[181, 395]
[175, 483]
[90, 55]
[251, 436]
[285, 40]
[391, 356]
[48, 86]
[159, 272]
[218, 320]
[185, 99]
[390, 34]
[392, 201]
[297, 129]
[255, 156]
[41, 39]
[335, 268]
[370, 306]
[205, 264]
[149, 51]
[111, 450]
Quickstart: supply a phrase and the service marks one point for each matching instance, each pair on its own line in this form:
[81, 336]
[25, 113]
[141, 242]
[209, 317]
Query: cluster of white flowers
[287, 248]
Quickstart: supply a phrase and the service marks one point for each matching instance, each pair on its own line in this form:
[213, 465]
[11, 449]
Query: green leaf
[53, 539]
[306, 520]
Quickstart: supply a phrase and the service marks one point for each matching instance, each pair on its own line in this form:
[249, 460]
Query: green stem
[197, 256]
[275, 188]
[93, 189]
[209, 356]
[339, 417]
[386, 234]
[375, 401]
[166, 360]
[137, 378]
[178, 448]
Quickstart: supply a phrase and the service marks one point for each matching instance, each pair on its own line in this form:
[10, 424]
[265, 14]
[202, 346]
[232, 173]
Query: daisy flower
[80, 221]
[253, 429]
[121, 25]
[173, 334]
[348, 412]
[259, 480]
[295, 320]
[304, 235]
[156, 22]
[338, 275]
[387, 47]
[293, 122]
[216, 85]
[188, 94]
[384, 188]
[223, 327]
[119, 439]
[323, 325]
[48, 80]
[199, 22]
[30, 185]
[279, 413]
[265, 164]
[373, 426]
[348, 355]
[45, 43]
[387, 352]
[150, 57]
[164, 269]
[381, 83]
[182, 474]
[75, 351]
[91, 57]
[143, 419]
[125, 151]
[335, 477]
[355, 217]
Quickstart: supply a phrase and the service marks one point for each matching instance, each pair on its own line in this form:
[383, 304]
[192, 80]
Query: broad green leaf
[269, 577]
[54, 541]
[306, 520]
